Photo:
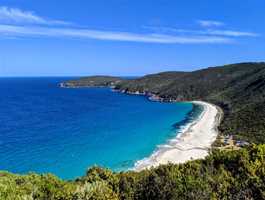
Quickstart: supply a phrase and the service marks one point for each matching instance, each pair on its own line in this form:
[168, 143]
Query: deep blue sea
[45, 128]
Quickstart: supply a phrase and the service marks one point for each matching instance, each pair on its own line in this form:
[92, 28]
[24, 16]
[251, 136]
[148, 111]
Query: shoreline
[193, 142]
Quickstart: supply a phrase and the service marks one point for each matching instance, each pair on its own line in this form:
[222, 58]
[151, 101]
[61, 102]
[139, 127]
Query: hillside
[150, 83]
[239, 89]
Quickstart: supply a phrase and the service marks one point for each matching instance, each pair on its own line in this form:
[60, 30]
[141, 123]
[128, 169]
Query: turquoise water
[44, 128]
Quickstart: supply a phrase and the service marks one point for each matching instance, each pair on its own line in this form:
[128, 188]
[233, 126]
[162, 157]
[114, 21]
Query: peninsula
[238, 89]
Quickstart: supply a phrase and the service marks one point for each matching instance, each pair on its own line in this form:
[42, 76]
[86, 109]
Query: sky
[127, 38]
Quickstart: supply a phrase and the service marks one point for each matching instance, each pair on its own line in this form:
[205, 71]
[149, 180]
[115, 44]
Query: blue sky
[122, 37]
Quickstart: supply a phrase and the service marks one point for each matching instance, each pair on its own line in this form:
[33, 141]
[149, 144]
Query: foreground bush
[222, 175]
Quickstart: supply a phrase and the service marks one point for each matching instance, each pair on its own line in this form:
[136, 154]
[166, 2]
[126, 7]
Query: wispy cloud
[213, 32]
[210, 23]
[15, 22]
[228, 33]
[231, 33]
[23, 31]
[15, 15]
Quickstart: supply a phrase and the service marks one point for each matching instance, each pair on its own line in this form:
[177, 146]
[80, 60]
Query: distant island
[232, 95]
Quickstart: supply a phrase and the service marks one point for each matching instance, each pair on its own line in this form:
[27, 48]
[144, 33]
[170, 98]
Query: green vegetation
[222, 175]
[239, 89]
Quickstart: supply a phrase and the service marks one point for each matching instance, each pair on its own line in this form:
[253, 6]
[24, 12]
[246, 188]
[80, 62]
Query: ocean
[48, 129]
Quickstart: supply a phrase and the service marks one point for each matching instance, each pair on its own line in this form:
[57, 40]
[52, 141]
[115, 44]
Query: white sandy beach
[193, 143]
